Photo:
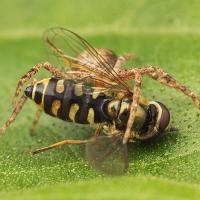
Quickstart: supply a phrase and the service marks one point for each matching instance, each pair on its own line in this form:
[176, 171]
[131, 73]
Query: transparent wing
[107, 154]
[78, 55]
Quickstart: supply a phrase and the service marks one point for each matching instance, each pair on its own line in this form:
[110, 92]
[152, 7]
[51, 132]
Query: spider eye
[164, 117]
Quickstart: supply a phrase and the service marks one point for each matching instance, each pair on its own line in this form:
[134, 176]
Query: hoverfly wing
[57, 44]
[107, 154]
[68, 48]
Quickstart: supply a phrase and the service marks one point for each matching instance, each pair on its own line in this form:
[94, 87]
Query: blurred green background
[161, 33]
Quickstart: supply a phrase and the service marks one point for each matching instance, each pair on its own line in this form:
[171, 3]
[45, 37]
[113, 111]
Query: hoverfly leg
[134, 105]
[170, 130]
[98, 130]
[35, 121]
[14, 114]
[54, 71]
[58, 144]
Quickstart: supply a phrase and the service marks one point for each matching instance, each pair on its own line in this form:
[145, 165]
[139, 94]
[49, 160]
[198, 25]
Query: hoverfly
[92, 88]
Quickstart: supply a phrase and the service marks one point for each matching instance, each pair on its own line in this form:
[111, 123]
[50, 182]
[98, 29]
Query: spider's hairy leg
[53, 70]
[122, 59]
[164, 78]
[134, 106]
[35, 121]
[14, 114]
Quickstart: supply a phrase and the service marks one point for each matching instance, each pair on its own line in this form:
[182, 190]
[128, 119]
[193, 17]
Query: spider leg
[35, 121]
[122, 59]
[164, 78]
[134, 106]
[54, 71]
[14, 114]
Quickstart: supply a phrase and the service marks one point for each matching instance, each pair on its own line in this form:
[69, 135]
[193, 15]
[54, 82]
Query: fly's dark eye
[164, 117]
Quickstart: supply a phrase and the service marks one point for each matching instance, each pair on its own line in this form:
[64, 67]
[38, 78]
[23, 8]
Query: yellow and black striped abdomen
[69, 101]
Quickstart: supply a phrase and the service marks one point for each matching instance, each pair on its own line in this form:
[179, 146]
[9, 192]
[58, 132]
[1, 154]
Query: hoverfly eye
[164, 117]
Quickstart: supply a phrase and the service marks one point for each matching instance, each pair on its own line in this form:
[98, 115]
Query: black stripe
[99, 105]
[82, 114]
[67, 100]
[39, 93]
[50, 95]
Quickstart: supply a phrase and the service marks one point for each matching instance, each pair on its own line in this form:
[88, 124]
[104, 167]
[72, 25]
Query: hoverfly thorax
[150, 120]
[119, 111]
[124, 113]
[112, 108]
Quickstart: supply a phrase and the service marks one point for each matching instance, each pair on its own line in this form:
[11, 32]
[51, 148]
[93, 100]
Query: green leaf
[164, 34]
[115, 188]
